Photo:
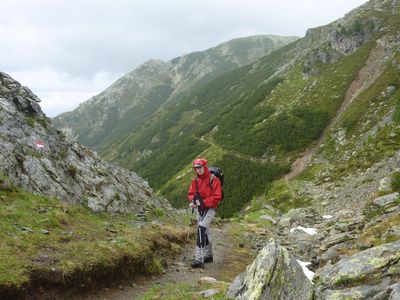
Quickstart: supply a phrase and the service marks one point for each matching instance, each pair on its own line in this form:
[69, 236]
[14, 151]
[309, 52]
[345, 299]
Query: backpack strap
[211, 180]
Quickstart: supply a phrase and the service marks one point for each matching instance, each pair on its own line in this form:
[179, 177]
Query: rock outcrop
[354, 256]
[274, 274]
[364, 274]
[40, 159]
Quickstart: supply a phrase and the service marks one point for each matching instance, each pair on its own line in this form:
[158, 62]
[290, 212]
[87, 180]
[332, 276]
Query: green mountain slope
[255, 121]
[135, 97]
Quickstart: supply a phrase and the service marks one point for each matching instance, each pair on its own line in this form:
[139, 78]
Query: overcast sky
[67, 51]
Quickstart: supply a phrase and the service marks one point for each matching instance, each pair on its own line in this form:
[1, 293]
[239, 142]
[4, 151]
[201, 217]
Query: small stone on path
[209, 293]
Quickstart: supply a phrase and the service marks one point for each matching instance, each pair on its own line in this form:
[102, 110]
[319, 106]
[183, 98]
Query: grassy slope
[370, 128]
[178, 133]
[254, 120]
[80, 246]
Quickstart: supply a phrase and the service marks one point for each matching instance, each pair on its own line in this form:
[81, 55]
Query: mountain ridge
[141, 92]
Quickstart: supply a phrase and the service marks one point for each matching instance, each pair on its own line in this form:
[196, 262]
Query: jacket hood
[201, 162]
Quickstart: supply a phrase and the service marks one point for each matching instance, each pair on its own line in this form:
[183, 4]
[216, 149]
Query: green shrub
[396, 116]
[396, 182]
[72, 170]
[30, 121]
[372, 210]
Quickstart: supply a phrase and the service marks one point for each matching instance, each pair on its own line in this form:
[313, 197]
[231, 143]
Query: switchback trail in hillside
[179, 270]
[371, 70]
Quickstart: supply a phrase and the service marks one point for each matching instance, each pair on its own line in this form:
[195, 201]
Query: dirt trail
[178, 271]
[371, 70]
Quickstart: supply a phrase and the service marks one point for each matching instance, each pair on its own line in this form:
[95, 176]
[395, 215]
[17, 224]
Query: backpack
[216, 171]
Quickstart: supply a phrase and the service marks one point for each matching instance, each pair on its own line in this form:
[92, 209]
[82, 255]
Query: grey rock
[357, 293]
[378, 264]
[350, 225]
[386, 199]
[268, 218]
[395, 294]
[337, 239]
[62, 168]
[329, 255]
[392, 232]
[274, 274]
[344, 214]
[209, 293]
[385, 184]
[304, 216]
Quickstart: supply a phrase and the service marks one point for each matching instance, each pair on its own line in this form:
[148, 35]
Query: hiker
[204, 194]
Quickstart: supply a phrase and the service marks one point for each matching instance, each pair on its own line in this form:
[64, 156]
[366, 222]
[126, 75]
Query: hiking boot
[196, 263]
[208, 259]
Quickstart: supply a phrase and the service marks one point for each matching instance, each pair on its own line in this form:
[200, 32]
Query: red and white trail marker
[39, 144]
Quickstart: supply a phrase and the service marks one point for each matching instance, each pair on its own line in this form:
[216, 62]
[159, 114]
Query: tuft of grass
[184, 291]
[371, 210]
[311, 172]
[373, 235]
[31, 121]
[396, 182]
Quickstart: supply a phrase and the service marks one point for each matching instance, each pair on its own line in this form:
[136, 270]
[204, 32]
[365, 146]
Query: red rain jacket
[211, 195]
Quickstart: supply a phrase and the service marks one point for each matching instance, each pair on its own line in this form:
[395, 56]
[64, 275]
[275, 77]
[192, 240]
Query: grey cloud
[81, 38]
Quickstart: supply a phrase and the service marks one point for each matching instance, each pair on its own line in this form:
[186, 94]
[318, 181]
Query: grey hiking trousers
[203, 244]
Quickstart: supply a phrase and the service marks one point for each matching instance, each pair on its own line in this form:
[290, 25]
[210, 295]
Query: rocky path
[371, 70]
[178, 271]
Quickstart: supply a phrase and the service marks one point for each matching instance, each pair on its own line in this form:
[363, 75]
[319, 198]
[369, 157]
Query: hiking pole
[187, 236]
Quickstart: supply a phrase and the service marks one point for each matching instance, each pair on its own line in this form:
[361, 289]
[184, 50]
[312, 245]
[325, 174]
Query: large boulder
[274, 274]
